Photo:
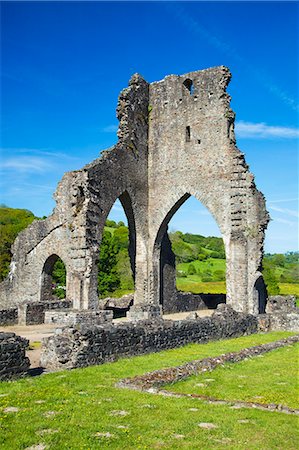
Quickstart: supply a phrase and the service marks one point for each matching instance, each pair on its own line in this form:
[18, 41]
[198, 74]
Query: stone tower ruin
[175, 139]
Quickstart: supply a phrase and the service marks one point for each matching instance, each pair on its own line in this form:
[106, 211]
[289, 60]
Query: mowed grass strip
[268, 378]
[83, 409]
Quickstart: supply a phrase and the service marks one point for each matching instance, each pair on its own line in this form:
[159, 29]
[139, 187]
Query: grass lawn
[268, 378]
[289, 289]
[190, 284]
[68, 410]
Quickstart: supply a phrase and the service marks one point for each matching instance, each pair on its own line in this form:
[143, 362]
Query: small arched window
[188, 84]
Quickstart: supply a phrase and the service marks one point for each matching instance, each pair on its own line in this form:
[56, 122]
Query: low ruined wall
[34, 313]
[280, 321]
[282, 314]
[8, 316]
[186, 301]
[13, 360]
[85, 346]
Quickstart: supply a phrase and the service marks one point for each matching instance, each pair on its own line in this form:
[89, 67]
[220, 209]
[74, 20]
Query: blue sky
[64, 63]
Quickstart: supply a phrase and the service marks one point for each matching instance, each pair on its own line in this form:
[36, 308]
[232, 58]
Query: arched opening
[260, 294]
[53, 279]
[117, 253]
[189, 86]
[192, 259]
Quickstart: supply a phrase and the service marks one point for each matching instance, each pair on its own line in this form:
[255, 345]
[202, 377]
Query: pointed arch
[164, 270]
[46, 280]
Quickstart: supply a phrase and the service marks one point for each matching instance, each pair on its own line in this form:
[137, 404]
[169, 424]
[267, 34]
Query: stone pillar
[168, 292]
[237, 274]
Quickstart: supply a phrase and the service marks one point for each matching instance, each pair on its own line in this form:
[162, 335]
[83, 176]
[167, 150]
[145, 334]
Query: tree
[59, 279]
[191, 269]
[108, 277]
[271, 282]
[219, 275]
[12, 221]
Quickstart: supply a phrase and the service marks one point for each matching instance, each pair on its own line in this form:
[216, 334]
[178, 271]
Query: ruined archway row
[176, 139]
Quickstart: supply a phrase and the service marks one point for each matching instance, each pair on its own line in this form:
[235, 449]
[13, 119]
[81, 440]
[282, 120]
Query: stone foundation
[13, 360]
[70, 318]
[85, 346]
[282, 314]
[34, 313]
[8, 316]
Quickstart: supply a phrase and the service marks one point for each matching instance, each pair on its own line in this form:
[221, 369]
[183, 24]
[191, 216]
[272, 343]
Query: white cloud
[264, 131]
[289, 212]
[27, 164]
[284, 221]
[284, 200]
[110, 129]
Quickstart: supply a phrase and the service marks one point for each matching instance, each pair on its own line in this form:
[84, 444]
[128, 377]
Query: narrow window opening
[198, 141]
[188, 134]
[189, 86]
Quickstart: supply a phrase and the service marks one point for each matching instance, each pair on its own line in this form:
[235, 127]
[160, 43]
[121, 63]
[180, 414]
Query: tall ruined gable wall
[176, 139]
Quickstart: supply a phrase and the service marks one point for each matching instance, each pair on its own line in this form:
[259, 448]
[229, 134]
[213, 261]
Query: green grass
[270, 378]
[190, 284]
[84, 399]
[211, 264]
[289, 289]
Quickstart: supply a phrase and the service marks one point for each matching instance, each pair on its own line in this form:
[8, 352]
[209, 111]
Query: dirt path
[34, 333]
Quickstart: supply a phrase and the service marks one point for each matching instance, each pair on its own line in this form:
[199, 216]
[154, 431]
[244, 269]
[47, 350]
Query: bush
[181, 274]
[191, 269]
[219, 275]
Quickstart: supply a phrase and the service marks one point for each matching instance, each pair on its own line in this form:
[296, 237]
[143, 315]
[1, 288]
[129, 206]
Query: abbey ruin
[175, 140]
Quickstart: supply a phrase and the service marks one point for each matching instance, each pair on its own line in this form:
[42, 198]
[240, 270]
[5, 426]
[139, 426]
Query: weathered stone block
[13, 360]
[71, 318]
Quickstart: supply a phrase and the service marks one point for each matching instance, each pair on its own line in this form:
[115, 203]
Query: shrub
[191, 269]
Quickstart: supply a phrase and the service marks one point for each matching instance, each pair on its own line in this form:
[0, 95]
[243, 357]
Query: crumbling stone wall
[85, 346]
[176, 139]
[282, 314]
[9, 316]
[13, 360]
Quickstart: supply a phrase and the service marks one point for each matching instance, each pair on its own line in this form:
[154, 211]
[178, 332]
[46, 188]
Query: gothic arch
[46, 278]
[162, 242]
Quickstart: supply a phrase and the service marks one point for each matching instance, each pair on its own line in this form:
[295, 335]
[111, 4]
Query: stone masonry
[176, 139]
[83, 345]
[13, 360]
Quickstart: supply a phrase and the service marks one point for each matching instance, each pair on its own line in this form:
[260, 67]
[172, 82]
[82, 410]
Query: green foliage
[191, 269]
[12, 221]
[59, 279]
[271, 281]
[108, 278]
[181, 274]
[219, 275]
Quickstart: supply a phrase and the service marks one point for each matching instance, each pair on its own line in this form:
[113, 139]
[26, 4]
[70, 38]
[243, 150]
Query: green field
[76, 409]
[250, 380]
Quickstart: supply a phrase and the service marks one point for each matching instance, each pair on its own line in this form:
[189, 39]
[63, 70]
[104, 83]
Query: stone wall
[282, 314]
[13, 360]
[186, 301]
[71, 318]
[8, 316]
[34, 313]
[175, 140]
[84, 346]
